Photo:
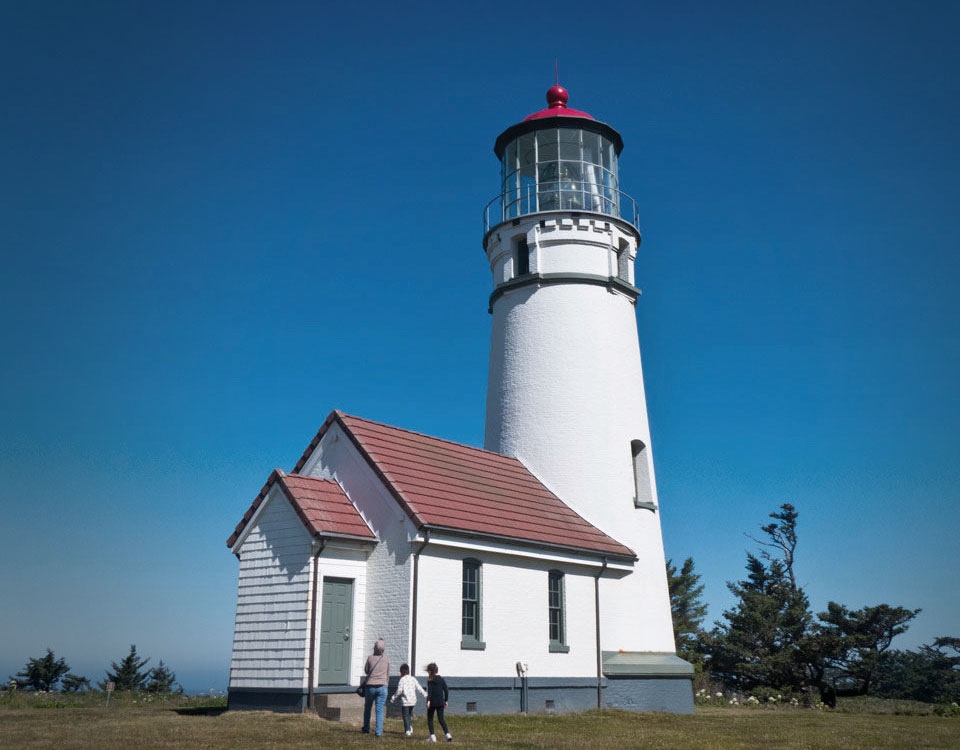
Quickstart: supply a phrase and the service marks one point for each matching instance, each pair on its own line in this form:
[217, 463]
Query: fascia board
[235, 549]
[473, 545]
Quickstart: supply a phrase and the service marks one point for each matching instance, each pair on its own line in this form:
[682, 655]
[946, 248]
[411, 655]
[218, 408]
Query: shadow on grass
[200, 711]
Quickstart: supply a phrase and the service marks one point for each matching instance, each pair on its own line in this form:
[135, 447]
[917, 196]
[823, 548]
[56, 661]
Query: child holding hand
[407, 692]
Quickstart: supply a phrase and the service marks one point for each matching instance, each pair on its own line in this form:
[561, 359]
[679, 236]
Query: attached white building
[531, 572]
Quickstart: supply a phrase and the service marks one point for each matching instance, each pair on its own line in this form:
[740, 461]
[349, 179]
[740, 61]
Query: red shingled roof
[449, 486]
[321, 504]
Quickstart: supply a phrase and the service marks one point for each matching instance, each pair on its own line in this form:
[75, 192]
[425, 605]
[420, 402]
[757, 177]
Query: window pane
[570, 143]
[549, 197]
[570, 171]
[525, 149]
[591, 147]
[549, 171]
[607, 148]
[547, 145]
[510, 157]
[572, 200]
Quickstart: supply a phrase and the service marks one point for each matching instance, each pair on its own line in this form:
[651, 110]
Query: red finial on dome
[557, 97]
[557, 106]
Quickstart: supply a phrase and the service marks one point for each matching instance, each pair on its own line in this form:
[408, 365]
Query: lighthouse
[565, 391]
[531, 569]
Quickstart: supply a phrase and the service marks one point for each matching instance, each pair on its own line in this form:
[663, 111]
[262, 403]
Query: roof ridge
[425, 435]
[454, 454]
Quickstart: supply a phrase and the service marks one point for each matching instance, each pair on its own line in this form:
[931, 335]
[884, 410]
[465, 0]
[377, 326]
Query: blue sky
[220, 221]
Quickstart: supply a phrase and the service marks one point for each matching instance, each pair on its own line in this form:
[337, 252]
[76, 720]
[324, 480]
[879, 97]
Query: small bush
[951, 710]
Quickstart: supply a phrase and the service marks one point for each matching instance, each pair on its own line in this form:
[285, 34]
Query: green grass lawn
[193, 723]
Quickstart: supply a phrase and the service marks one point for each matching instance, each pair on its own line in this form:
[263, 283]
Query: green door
[336, 615]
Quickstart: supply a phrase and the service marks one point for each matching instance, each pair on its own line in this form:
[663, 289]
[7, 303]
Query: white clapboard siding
[271, 633]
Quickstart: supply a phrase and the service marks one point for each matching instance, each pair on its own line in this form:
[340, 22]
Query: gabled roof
[321, 504]
[452, 487]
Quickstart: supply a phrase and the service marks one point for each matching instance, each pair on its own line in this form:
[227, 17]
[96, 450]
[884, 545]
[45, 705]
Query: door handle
[346, 634]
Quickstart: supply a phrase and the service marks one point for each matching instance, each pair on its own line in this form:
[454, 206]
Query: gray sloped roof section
[645, 664]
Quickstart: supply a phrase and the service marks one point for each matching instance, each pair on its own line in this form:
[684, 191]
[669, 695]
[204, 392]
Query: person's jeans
[378, 694]
[407, 712]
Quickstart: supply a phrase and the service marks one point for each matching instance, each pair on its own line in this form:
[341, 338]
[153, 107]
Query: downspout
[416, 579]
[596, 600]
[313, 624]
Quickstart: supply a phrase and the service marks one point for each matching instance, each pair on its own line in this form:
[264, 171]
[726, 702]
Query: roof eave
[536, 544]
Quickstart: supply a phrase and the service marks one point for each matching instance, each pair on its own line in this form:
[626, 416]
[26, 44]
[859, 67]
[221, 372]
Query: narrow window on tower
[523, 257]
[623, 261]
[643, 489]
[556, 613]
[470, 617]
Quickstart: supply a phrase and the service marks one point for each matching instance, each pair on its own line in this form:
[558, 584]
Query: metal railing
[560, 196]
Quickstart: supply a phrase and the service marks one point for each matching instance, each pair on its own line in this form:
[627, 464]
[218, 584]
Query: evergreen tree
[688, 610]
[43, 673]
[161, 679]
[851, 644]
[765, 640]
[930, 674]
[73, 683]
[127, 674]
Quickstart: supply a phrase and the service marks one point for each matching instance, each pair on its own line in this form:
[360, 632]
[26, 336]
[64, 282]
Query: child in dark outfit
[437, 695]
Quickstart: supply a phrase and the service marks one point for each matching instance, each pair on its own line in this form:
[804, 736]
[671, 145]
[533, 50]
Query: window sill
[472, 644]
[559, 648]
[644, 505]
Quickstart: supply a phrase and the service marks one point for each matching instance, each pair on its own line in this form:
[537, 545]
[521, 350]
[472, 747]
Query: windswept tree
[764, 641]
[687, 609]
[161, 679]
[932, 673]
[74, 683]
[129, 673]
[43, 673]
[852, 643]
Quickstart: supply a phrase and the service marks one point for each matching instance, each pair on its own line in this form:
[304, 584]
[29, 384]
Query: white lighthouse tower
[565, 391]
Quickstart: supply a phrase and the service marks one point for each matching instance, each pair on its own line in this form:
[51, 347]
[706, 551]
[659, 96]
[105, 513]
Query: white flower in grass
[719, 694]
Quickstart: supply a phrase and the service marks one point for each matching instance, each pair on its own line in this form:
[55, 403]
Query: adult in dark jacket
[377, 670]
[437, 695]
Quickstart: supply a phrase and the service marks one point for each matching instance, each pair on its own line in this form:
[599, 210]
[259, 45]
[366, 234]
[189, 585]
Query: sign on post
[110, 688]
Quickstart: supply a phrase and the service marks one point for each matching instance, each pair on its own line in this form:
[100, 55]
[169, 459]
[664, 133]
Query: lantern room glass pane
[510, 157]
[591, 147]
[526, 149]
[569, 143]
[547, 145]
[570, 171]
[607, 153]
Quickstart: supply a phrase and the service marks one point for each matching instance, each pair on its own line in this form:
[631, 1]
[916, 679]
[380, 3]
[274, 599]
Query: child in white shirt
[407, 691]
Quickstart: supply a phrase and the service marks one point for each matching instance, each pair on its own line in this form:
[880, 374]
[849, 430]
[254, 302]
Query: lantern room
[559, 159]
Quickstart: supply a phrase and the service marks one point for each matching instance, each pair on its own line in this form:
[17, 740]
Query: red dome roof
[557, 100]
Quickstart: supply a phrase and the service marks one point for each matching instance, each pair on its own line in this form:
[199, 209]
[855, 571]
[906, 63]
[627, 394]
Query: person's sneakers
[409, 732]
[432, 738]
[449, 737]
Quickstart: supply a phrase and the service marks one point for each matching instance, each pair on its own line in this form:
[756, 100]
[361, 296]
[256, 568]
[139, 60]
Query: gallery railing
[560, 196]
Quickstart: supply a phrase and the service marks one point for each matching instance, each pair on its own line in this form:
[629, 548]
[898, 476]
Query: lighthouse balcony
[587, 197]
